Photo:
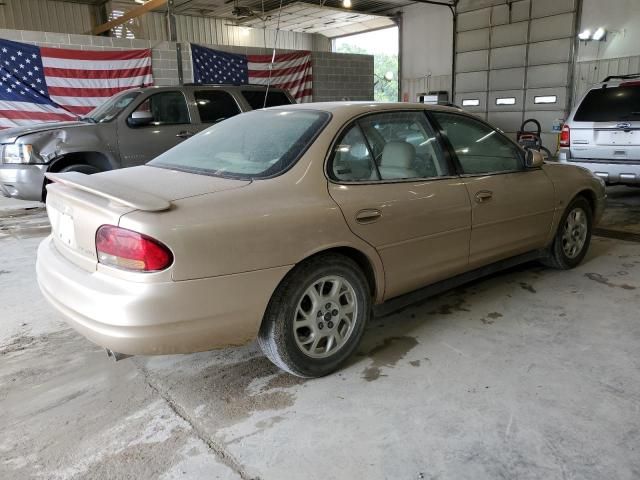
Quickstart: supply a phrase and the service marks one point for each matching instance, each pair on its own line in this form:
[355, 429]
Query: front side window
[257, 144]
[215, 106]
[479, 148]
[111, 108]
[165, 108]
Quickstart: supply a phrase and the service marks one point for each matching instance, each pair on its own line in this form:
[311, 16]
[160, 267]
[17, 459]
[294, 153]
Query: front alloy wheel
[572, 239]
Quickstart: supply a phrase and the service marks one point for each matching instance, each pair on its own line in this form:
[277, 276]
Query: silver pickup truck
[129, 129]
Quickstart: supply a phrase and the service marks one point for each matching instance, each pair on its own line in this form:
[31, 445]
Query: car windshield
[613, 104]
[256, 144]
[111, 108]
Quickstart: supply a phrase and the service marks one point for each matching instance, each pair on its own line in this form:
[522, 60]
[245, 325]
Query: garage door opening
[383, 45]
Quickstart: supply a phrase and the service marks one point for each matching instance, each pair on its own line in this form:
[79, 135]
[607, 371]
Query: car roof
[364, 106]
[260, 88]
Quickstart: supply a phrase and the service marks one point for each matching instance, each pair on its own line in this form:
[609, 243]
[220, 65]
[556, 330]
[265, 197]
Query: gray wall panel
[471, 82]
[472, 61]
[553, 51]
[474, 20]
[548, 75]
[473, 40]
[507, 79]
[545, 8]
[508, 57]
[505, 35]
[551, 28]
[520, 11]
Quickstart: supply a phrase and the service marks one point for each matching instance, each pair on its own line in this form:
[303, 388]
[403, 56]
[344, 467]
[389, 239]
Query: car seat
[397, 161]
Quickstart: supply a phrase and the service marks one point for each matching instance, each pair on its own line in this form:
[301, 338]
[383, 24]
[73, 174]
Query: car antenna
[273, 54]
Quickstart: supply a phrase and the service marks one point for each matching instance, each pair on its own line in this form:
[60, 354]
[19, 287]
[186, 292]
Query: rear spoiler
[97, 185]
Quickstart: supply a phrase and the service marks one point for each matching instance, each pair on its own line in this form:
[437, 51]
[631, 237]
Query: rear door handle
[185, 134]
[368, 215]
[483, 196]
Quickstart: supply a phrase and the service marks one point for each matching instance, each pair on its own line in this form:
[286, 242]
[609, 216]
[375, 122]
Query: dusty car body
[374, 204]
[129, 129]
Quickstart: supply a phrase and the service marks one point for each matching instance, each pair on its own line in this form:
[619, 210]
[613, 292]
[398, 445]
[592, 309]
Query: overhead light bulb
[346, 3]
[599, 33]
[585, 34]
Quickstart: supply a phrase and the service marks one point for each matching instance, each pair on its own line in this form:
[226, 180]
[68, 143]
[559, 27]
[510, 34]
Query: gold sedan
[291, 224]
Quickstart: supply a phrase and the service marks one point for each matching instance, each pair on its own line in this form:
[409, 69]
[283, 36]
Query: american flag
[39, 84]
[290, 71]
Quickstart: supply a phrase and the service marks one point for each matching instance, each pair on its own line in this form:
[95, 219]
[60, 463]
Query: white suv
[602, 133]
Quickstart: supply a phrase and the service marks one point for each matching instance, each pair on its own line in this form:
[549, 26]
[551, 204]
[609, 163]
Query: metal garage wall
[47, 16]
[588, 73]
[510, 53]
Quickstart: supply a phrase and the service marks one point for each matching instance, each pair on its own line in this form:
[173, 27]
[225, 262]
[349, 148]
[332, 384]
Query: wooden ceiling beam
[134, 13]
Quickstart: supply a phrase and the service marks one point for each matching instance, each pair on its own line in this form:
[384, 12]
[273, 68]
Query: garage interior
[531, 373]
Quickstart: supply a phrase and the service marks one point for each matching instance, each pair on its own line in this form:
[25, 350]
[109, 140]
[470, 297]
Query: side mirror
[533, 159]
[140, 119]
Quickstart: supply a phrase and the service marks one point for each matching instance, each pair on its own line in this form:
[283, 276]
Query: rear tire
[573, 237]
[317, 316]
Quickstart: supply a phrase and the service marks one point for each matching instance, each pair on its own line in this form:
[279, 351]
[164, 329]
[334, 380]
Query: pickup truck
[129, 129]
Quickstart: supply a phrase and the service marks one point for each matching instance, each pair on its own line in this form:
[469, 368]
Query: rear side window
[255, 98]
[215, 106]
[610, 105]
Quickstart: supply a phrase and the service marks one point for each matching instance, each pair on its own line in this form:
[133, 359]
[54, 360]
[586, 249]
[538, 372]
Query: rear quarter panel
[570, 181]
[267, 224]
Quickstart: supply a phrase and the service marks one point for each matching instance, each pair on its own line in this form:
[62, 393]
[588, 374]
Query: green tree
[383, 90]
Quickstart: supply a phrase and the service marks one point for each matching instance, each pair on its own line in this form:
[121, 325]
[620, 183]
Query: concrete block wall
[335, 75]
[338, 76]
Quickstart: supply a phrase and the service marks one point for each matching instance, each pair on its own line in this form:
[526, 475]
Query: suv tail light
[565, 136]
[129, 250]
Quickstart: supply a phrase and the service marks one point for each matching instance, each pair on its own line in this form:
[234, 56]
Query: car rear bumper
[156, 318]
[623, 171]
[24, 182]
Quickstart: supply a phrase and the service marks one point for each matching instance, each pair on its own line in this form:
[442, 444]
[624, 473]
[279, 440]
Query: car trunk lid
[79, 204]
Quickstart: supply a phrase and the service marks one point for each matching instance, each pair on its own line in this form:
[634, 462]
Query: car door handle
[185, 134]
[483, 196]
[368, 215]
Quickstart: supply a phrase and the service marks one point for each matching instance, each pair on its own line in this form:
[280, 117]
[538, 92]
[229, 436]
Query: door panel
[422, 232]
[512, 207]
[514, 219]
[171, 125]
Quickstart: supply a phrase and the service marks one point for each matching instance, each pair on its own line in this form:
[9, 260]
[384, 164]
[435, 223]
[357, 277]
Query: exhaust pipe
[116, 355]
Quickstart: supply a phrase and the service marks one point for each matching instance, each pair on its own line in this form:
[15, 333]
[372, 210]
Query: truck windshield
[111, 108]
[257, 144]
[613, 104]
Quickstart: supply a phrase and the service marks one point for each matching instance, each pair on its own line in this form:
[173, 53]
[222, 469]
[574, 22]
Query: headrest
[398, 155]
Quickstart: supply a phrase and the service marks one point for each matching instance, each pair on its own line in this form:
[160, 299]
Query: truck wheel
[316, 317]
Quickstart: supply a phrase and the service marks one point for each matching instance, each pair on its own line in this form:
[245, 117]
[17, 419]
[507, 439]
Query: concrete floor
[529, 374]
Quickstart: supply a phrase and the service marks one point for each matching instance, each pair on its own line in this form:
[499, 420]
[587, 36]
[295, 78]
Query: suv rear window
[255, 98]
[612, 104]
[215, 106]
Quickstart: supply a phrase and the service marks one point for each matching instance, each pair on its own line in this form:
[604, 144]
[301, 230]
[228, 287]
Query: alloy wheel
[574, 234]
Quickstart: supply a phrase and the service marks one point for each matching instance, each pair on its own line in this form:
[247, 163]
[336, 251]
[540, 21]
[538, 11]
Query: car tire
[573, 237]
[316, 317]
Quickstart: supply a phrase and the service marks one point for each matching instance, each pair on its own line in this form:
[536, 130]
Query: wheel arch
[96, 159]
[590, 196]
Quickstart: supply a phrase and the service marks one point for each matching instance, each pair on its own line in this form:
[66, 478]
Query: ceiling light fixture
[585, 34]
[346, 3]
[599, 34]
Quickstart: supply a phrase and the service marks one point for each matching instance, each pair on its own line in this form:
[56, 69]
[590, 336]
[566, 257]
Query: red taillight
[130, 250]
[565, 136]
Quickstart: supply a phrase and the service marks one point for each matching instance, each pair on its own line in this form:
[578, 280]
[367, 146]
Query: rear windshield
[255, 98]
[610, 105]
[257, 144]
